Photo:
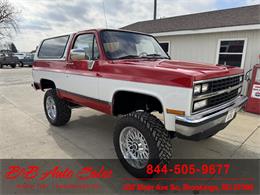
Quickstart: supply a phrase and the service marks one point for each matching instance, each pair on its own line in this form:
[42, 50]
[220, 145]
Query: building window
[165, 46]
[231, 52]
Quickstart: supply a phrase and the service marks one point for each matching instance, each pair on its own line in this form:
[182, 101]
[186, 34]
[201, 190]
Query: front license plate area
[230, 115]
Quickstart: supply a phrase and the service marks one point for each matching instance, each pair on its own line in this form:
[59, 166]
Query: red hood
[199, 71]
[165, 72]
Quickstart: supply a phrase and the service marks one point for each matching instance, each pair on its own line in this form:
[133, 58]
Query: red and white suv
[127, 74]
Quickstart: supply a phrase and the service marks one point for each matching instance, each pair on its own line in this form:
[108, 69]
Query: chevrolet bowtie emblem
[229, 89]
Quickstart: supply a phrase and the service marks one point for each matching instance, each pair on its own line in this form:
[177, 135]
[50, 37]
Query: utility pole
[155, 9]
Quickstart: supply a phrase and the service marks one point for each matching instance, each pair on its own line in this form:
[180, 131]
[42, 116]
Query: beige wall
[203, 47]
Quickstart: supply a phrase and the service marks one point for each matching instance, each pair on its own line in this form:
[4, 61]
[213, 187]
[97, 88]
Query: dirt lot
[25, 133]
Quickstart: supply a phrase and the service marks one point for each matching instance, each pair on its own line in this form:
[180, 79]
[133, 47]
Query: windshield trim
[134, 32]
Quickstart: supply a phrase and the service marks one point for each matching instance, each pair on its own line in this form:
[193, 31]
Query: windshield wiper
[157, 55]
[142, 56]
[127, 56]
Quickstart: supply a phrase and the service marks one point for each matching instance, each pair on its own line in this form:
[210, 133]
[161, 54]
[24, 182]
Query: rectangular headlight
[205, 87]
[197, 89]
[240, 79]
[200, 104]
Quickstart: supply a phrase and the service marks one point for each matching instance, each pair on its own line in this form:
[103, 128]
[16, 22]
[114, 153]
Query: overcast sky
[42, 18]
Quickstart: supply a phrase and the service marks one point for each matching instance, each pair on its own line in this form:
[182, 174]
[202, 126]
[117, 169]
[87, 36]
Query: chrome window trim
[63, 57]
[54, 57]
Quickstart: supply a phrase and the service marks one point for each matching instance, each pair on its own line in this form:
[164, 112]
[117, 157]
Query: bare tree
[12, 47]
[8, 20]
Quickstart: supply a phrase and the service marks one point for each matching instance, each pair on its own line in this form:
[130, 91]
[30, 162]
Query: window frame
[140, 33]
[94, 39]
[169, 46]
[54, 58]
[232, 53]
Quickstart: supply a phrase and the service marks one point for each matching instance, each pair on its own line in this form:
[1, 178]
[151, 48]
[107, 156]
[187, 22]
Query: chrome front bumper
[208, 122]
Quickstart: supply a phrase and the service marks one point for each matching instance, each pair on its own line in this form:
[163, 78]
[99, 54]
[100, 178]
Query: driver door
[81, 73]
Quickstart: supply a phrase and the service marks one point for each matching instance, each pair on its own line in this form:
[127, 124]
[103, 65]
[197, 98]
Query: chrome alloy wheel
[134, 147]
[51, 108]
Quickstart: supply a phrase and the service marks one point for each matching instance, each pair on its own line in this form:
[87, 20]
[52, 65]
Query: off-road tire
[157, 137]
[13, 65]
[63, 111]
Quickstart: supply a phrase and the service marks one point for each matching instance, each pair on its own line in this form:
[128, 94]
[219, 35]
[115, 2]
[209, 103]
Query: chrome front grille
[220, 91]
[219, 99]
[221, 84]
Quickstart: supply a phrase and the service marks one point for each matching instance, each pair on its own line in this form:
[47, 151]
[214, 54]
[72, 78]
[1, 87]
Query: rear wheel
[56, 110]
[13, 65]
[140, 139]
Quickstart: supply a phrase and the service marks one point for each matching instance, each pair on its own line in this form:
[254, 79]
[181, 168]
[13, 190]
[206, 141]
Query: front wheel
[140, 139]
[56, 110]
[13, 65]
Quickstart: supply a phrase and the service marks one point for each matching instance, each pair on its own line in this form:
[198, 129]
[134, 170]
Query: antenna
[155, 9]
[104, 10]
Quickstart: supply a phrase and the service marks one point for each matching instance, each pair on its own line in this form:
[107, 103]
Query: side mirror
[78, 54]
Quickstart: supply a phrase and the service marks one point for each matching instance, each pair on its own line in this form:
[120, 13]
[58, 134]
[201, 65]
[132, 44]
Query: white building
[230, 36]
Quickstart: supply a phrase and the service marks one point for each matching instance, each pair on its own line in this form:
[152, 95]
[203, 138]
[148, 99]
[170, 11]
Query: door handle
[70, 63]
[98, 75]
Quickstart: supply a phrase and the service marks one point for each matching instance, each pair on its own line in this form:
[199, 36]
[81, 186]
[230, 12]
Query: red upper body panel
[156, 71]
[166, 72]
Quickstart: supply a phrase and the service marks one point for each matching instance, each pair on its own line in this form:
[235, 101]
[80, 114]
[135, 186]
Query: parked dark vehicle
[28, 60]
[8, 60]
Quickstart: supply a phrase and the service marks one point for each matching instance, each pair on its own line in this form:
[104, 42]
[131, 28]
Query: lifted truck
[127, 74]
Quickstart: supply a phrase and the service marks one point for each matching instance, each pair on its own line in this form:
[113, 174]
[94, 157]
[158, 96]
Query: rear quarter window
[53, 48]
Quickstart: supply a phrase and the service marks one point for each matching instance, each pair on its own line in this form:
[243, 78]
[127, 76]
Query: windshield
[123, 45]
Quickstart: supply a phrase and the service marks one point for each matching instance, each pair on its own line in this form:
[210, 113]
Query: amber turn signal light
[176, 112]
